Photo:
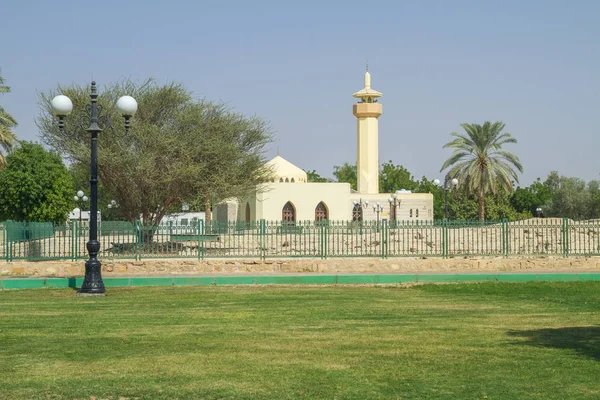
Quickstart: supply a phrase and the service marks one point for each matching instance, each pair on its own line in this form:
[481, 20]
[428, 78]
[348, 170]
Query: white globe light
[454, 182]
[113, 202]
[80, 193]
[390, 200]
[367, 202]
[436, 182]
[61, 105]
[127, 106]
[85, 198]
[110, 206]
[75, 198]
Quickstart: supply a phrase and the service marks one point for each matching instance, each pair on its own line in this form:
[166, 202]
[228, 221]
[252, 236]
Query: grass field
[467, 341]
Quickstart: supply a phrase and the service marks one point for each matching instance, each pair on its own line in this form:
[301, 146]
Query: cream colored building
[290, 197]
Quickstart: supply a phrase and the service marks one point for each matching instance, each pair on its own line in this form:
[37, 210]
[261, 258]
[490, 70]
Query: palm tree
[7, 137]
[480, 162]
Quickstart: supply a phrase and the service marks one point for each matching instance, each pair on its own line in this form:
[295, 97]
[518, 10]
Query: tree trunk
[481, 200]
[207, 219]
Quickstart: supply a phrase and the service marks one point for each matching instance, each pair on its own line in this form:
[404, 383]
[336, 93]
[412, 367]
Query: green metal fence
[325, 239]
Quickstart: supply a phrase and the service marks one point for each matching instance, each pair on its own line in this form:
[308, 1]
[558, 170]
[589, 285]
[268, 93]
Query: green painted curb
[351, 279]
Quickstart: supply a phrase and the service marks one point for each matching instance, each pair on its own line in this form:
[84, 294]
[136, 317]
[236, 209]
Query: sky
[533, 64]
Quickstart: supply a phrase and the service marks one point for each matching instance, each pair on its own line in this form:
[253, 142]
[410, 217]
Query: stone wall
[303, 265]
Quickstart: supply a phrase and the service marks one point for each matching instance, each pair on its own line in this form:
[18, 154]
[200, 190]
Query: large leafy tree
[36, 186]
[395, 177]
[177, 151]
[571, 197]
[480, 161]
[346, 173]
[313, 176]
[7, 122]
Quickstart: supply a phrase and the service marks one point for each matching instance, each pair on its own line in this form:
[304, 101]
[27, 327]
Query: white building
[289, 197]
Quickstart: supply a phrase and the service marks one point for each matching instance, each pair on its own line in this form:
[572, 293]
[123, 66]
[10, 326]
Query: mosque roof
[285, 169]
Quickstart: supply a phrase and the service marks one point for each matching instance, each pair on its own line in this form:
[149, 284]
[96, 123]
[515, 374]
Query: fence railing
[325, 239]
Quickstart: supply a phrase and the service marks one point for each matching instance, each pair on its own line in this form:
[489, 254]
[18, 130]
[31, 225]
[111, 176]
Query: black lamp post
[80, 198]
[394, 203]
[111, 205]
[378, 208]
[61, 107]
[454, 184]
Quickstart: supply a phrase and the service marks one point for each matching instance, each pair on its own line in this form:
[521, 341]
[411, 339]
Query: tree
[395, 177]
[7, 137]
[346, 173]
[313, 176]
[36, 186]
[177, 151]
[571, 197]
[480, 162]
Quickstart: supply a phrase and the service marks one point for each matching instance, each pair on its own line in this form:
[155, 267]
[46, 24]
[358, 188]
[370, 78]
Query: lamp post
[111, 205]
[454, 184]
[80, 198]
[394, 203]
[538, 212]
[378, 208]
[61, 107]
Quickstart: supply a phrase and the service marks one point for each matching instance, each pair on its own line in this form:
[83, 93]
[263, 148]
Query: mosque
[290, 197]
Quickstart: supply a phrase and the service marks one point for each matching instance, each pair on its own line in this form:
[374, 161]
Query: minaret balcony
[367, 110]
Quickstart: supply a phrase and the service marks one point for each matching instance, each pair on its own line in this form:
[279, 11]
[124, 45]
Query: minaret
[367, 127]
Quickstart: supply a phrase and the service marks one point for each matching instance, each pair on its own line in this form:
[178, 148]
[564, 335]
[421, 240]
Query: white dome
[285, 171]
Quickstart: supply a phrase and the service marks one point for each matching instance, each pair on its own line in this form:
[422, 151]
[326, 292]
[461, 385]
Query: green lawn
[467, 341]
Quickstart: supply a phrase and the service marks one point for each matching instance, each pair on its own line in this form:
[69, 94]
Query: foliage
[36, 186]
[462, 341]
[480, 162]
[7, 121]
[571, 197]
[177, 151]
[346, 173]
[313, 176]
[395, 177]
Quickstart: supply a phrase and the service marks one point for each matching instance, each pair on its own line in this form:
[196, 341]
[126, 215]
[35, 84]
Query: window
[280, 179]
[321, 212]
[292, 180]
[288, 213]
[287, 180]
[410, 213]
[417, 212]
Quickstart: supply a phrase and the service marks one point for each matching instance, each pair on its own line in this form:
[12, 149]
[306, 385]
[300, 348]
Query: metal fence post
[200, 239]
[138, 234]
[74, 241]
[505, 237]
[384, 238]
[565, 238]
[261, 238]
[7, 235]
[444, 239]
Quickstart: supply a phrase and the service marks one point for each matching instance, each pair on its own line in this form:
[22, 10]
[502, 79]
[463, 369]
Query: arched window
[280, 179]
[288, 214]
[247, 212]
[321, 212]
[292, 180]
[287, 180]
[410, 213]
[417, 212]
[357, 213]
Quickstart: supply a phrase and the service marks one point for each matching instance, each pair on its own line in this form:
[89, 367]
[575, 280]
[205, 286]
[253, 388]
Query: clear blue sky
[533, 64]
